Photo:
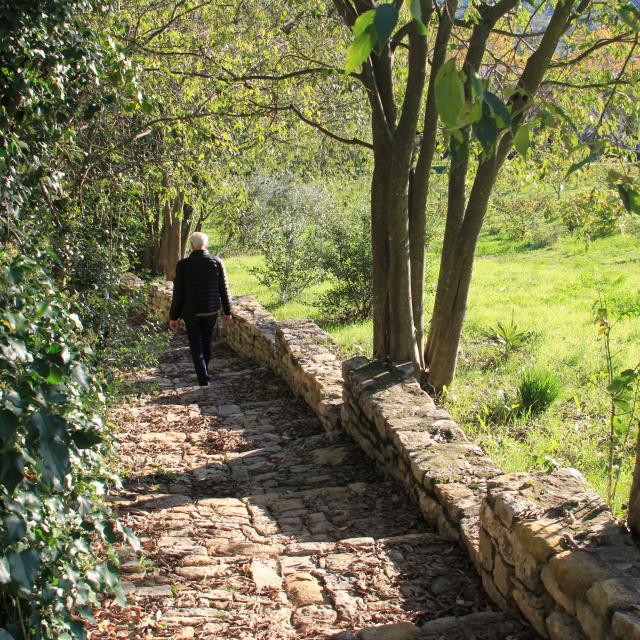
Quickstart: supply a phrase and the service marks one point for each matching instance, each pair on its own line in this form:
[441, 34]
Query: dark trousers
[199, 332]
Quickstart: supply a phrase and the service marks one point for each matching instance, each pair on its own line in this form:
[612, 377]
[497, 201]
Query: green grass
[549, 292]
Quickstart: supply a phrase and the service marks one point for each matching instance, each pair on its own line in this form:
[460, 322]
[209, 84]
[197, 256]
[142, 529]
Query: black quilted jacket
[200, 286]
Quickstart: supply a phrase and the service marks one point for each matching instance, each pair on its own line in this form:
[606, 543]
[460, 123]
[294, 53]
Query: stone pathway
[257, 524]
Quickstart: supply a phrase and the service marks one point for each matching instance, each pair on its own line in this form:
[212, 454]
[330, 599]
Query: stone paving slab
[257, 524]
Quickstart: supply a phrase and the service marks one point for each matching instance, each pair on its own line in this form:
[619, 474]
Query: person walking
[200, 292]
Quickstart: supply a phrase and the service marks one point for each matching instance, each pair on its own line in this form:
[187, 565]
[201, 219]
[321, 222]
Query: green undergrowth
[548, 293]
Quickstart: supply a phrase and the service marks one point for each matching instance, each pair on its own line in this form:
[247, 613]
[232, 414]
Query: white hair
[199, 240]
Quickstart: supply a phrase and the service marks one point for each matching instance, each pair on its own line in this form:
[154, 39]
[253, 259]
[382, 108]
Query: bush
[288, 216]
[537, 391]
[56, 533]
[346, 256]
[508, 337]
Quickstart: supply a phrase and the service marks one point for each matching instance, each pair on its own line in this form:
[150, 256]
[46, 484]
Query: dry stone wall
[544, 544]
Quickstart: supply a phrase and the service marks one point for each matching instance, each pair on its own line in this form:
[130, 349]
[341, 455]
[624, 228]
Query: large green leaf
[55, 460]
[49, 427]
[15, 528]
[415, 8]
[384, 22]
[24, 567]
[521, 140]
[86, 439]
[486, 131]
[364, 39]
[449, 93]
[499, 109]
[5, 635]
[630, 198]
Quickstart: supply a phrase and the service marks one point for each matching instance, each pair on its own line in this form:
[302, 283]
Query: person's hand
[174, 325]
[227, 319]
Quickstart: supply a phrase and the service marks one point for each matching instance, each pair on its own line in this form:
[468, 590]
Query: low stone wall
[297, 350]
[544, 544]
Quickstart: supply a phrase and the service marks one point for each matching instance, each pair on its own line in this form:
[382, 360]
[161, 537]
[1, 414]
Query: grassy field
[549, 292]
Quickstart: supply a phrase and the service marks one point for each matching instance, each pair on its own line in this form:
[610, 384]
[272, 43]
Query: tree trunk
[174, 248]
[634, 497]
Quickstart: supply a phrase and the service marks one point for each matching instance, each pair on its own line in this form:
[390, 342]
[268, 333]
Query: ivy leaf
[55, 460]
[384, 22]
[11, 466]
[521, 140]
[449, 93]
[15, 528]
[630, 198]
[86, 439]
[8, 427]
[24, 567]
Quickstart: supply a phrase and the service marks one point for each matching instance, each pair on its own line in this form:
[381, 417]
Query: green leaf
[15, 528]
[449, 93]
[363, 22]
[86, 439]
[630, 15]
[521, 140]
[384, 22]
[5, 635]
[486, 130]
[55, 460]
[576, 166]
[499, 110]
[49, 427]
[415, 8]
[630, 198]
[11, 466]
[8, 427]
[24, 567]
[55, 375]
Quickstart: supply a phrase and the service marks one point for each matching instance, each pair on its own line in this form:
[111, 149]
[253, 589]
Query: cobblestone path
[255, 523]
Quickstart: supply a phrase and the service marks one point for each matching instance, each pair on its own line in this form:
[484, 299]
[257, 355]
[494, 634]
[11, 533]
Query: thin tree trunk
[634, 496]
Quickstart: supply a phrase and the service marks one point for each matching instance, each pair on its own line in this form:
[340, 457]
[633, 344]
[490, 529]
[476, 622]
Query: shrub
[537, 391]
[508, 337]
[56, 533]
[346, 256]
[287, 218]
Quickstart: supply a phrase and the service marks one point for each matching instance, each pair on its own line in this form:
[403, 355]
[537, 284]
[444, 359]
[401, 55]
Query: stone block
[534, 608]
[615, 593]
[542, 537]
[431, 510]
[576, 571]
[458, 501]
[502, 573]
[593, 626]
[563, 627]
[626, 625]
[554, 590]
[486, 550]
[493, 592]
[303, 589]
